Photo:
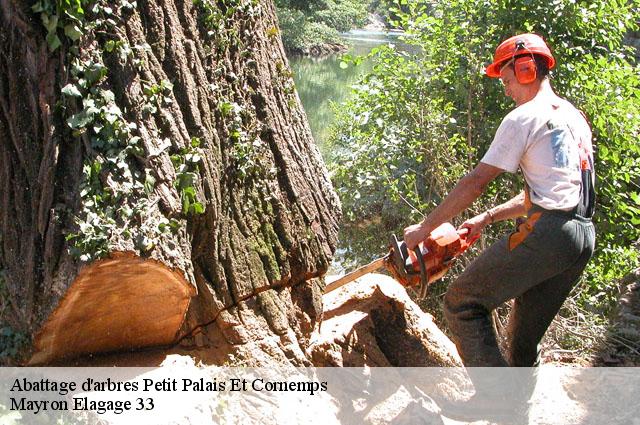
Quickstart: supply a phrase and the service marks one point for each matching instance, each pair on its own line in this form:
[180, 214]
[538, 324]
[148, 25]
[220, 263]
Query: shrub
[421, 119]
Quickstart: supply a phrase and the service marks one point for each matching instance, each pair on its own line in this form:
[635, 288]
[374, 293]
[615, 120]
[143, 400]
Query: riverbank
[334, 42]
[318, 51]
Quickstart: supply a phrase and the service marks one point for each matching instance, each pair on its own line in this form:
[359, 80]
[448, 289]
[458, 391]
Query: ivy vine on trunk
[157, 175]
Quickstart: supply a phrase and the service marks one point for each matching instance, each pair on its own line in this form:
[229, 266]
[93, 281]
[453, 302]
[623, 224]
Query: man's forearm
[459, 199]
[468, 189]
[513, 208]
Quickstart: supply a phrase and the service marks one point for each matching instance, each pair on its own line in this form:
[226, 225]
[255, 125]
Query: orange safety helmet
[530, 44]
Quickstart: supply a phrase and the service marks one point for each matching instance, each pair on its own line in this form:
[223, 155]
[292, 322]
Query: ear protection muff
[524, 66]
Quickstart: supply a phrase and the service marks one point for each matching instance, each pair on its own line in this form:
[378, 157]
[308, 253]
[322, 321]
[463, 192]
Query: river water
[321, 82]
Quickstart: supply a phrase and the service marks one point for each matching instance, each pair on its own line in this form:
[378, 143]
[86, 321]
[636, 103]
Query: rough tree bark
[159, 181]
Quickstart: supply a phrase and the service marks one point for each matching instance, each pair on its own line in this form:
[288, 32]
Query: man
[550, 141]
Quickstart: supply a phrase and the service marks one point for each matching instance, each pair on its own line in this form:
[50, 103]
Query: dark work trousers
[538, 273]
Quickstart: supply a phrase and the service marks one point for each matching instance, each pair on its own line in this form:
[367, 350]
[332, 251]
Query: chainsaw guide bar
[429, 261]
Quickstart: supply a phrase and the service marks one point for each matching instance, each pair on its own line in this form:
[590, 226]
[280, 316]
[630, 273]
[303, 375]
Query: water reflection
[321, 82]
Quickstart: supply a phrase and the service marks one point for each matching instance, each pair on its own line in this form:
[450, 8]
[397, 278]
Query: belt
[572, 213]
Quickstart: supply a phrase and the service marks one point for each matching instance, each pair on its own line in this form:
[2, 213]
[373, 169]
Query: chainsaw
[416, 269]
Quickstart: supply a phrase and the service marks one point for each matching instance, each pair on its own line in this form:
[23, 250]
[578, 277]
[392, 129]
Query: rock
[319, 50]
[375, 22]
[373, 322]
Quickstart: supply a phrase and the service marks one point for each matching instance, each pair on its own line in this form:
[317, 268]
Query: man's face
[512, 87]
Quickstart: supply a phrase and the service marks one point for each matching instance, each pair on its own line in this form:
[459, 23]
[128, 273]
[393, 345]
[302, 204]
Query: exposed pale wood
[119, 303]
[375, 323]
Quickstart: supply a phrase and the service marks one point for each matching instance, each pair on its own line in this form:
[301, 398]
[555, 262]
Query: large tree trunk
[158, 179]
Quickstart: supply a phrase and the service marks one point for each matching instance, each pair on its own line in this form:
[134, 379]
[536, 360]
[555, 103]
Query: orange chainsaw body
[436, 253]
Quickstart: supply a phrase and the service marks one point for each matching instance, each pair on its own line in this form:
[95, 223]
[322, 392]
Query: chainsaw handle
[464, 233]
[424, 282]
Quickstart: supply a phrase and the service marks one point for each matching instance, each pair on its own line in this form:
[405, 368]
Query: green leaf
[107, 95]
[186, 203]
[189, 191]
[72, 31]
[71, 91]
[79, 120]
[113, 113]
[149, 90]
[225, 108]
[149, 183]
[109, 46]
[94, 72]
[38, 7]
[49, 22]
[197, 208]
[53, 41]
[174, 224]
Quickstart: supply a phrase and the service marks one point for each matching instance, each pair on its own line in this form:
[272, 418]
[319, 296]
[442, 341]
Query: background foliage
[307, 23]
[423, 118]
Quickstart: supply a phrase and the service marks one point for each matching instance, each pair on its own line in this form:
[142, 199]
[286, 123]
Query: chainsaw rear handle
[465, 236]
[424, 276]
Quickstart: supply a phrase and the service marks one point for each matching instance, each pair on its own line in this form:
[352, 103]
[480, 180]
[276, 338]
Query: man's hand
[476, 224]
[415, 234]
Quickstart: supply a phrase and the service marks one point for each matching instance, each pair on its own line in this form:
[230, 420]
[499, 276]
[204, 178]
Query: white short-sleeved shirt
[542, 138]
